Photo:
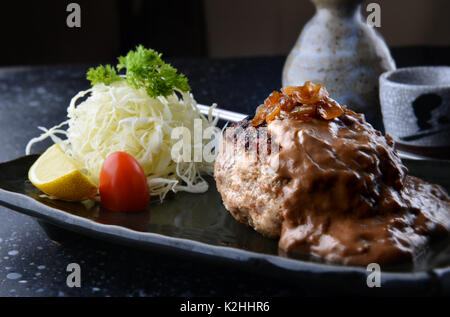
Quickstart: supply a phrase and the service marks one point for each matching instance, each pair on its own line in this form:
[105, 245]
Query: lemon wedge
[55, 174]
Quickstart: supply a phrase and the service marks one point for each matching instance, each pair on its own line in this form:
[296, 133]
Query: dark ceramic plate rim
[273, 265]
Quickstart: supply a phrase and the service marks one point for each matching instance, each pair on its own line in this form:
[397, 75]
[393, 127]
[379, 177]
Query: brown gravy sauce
[348, 197]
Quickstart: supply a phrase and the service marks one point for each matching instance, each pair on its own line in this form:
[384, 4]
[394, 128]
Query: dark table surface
[31, 264]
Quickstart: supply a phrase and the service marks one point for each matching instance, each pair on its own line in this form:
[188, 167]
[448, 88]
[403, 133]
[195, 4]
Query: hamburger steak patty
[332, 188]
[250, 188]
[327, 183]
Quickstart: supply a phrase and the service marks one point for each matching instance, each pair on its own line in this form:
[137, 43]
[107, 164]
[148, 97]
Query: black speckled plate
[198, 225]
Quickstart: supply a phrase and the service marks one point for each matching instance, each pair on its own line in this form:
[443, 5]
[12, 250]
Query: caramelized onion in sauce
[301, 103]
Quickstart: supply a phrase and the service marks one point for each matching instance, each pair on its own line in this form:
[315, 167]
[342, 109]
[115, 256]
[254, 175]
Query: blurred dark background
[35, 32]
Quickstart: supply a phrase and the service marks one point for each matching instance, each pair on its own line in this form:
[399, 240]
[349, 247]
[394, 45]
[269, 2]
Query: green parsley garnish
[144, 68]
[102, 74]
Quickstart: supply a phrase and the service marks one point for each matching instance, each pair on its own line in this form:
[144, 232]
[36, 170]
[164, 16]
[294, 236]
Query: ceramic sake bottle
[339, 50]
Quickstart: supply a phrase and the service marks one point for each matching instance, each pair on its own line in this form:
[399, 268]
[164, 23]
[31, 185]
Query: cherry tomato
[123, 185]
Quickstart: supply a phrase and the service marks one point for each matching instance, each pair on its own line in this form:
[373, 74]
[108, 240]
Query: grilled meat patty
[249, 186]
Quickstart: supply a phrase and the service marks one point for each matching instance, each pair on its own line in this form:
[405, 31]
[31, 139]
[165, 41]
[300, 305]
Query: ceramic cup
[415, 104]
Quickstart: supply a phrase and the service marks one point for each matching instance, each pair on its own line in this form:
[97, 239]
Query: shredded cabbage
[118, 117]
